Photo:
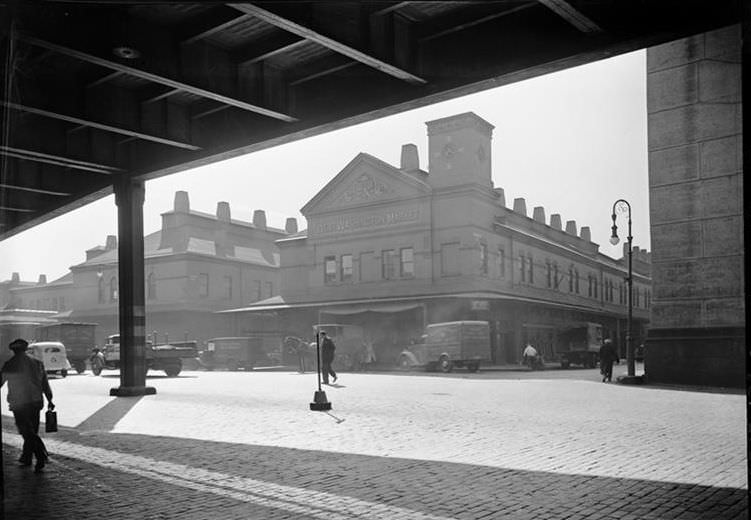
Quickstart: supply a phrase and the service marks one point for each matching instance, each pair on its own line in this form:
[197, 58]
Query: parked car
[52, 354]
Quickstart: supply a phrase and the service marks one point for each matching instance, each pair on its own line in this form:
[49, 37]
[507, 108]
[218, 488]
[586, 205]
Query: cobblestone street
[245, 445]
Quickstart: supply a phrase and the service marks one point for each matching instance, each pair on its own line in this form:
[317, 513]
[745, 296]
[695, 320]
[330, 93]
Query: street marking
[275, 496]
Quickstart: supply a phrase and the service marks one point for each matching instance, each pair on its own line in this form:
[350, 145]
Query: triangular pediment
[365, 180]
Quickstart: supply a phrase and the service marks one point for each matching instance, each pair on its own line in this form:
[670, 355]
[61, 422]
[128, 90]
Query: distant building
[195, 265]
[394, 248]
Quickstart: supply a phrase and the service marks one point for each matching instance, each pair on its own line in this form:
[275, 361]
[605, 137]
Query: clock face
[449, 151]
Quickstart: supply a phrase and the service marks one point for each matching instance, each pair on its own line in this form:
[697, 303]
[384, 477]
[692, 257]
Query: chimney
[539, 214]
[501, 196]
[410, 158]
[571, 227]
[586, 234]
[520, 206]
[222, 212]
[182, 203]
[110, 243]
[291, 225]
[555, 221]
[259, 219]
[42, 279]
[15, 278]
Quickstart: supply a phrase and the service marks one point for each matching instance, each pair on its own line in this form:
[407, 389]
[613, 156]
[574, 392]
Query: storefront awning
[385, 308]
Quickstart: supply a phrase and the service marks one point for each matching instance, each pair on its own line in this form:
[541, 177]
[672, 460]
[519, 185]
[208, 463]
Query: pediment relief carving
[364, 188]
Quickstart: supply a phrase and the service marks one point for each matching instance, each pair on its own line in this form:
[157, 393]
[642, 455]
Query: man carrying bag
[27, 381]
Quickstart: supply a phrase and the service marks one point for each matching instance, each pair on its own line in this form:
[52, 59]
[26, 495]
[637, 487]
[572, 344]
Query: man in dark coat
[27, 381]
[327, 357]
[608, 356]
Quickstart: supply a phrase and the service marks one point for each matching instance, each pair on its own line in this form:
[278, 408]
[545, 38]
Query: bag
[50, 421]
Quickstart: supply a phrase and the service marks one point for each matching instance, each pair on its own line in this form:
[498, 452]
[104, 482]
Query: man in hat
[27, 381]
[327, 357]
[608, 356]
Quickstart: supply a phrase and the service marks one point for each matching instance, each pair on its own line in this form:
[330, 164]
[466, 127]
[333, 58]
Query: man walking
[27, 381]
[608, 355]
[327, 357]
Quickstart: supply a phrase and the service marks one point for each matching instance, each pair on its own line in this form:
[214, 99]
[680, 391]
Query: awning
[384, 308]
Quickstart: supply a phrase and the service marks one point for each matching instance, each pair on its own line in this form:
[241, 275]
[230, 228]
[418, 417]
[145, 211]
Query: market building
[392, 249]
[195, 265]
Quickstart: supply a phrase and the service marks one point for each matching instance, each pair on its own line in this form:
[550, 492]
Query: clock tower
[459, 151]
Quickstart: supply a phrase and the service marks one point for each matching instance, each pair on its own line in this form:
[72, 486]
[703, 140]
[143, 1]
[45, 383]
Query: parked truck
[448, 345]
[233, 353]
[167, 357]
[78, 339]
[580, 345]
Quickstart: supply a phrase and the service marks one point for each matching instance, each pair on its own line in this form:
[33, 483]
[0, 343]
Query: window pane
[346, 268]
[203, 285]
[388, 264]
[449, 259]
[329, 269]
[408, 262]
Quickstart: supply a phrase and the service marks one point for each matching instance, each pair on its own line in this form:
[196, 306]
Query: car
[52, 354]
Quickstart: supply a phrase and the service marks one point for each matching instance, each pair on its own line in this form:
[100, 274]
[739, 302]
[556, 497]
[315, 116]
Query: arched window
[151, 287]
[113, 289]
[102, 293]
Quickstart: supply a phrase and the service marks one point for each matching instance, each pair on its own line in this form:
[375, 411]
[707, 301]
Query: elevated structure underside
[95, 92]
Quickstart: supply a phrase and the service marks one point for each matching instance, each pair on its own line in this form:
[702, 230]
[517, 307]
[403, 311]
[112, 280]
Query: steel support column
[129, 195]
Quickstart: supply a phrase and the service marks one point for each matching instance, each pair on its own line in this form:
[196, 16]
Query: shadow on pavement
[203, 479]
[108, 415]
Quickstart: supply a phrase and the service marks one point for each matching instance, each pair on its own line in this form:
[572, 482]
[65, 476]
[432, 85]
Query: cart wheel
[445, 364]
[96, 370]
[80, 367]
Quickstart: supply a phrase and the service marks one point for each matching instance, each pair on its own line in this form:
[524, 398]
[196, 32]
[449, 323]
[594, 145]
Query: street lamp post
[630, 280]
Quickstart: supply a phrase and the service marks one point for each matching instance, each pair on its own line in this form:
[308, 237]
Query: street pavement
[517, 445]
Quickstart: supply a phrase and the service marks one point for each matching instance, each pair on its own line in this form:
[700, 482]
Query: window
[329, 269]
[259, 293]
[576, 280]
[346, 266]
[269, 289]
[113, 289]
[102, 290]
[589, 285]
[531, 269]
[571, 279]
[450, 259]
[203, 285]
[62, 303]
[556, 281]
[501, 263]
[523, 267]
[407, 269]
[368, 267]
[227, 287]
[594, 284]
[549, 271]
[388, 264]
[151, 287]
[484, 259]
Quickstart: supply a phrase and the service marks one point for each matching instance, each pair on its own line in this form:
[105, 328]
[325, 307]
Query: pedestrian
[608, 356]
[327, 357]
[27, 381]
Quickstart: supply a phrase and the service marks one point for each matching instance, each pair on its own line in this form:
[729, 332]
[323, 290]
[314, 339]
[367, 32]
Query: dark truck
[168, 357]
[580, 345]
[233, 353]
[78, 338]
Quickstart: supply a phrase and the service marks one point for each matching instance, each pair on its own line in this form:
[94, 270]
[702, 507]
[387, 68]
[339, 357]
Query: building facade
[393, 249]
[195, 265]
[697, 326]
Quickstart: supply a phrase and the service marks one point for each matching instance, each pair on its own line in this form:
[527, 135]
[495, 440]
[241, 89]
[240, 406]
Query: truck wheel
[404, 363]
[473, 367]
[96, 370]
[64, 373]
[80, 366]
[231, 365]
[445, 364]
[172, 370]
[565, 364]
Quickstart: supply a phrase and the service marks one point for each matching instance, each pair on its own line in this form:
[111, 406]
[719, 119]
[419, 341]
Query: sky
[574, 142]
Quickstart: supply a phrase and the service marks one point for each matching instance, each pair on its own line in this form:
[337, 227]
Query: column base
[132, 391]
